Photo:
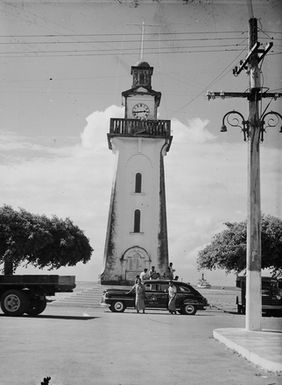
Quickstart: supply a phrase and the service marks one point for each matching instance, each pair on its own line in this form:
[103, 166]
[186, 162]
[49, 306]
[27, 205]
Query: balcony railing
[137, 127]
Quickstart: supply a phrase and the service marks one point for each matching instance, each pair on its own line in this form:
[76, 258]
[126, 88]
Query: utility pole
[253, 130]
[253, 279]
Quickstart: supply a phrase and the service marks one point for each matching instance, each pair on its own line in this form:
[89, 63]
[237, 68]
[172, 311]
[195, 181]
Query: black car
[188, 299]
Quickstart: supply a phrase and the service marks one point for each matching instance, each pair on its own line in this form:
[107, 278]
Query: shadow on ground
[64, 317]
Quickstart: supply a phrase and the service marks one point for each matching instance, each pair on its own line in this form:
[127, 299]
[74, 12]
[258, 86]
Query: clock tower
[137, 226]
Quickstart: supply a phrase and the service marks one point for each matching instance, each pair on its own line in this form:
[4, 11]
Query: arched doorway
[133, 261]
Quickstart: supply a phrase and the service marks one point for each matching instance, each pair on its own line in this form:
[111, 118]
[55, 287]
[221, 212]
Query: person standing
[168, 274]
[139, 290]
[144, 275]
[171, 270]
[172, 290]
[152, 273]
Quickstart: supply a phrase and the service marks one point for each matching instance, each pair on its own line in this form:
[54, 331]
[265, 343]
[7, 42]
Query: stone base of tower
[122, 267]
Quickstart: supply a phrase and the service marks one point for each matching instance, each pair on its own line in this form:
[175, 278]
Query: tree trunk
[8, 263]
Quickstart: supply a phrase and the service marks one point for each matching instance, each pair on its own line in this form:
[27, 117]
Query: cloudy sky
[63, 67]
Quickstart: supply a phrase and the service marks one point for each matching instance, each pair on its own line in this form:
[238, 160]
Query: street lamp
[236, 119]
[269, 120]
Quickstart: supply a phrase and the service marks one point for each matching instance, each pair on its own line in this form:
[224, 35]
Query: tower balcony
[140, 128]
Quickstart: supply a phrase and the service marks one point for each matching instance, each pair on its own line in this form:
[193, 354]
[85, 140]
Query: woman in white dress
[139, 290]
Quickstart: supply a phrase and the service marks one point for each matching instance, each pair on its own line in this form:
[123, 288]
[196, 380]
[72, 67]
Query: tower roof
[141, 76]
[142, 73]
[142, 64]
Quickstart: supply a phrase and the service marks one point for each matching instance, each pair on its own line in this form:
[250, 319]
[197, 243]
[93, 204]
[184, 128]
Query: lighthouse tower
[137, 226]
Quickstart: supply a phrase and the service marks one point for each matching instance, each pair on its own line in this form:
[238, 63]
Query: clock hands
[140, 111]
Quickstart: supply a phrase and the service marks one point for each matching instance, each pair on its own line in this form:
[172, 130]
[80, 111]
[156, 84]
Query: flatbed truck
[26, 294]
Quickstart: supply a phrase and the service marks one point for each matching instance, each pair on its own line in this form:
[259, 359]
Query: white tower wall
[135, 155]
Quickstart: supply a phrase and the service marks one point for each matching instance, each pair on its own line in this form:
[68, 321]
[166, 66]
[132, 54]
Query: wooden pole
[253, 280]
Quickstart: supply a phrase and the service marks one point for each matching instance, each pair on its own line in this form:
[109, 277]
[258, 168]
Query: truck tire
[14, 302]
[37, 305]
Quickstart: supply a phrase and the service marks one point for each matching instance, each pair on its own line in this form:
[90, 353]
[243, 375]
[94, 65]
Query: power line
[117, 52]
[219, 76]
[130, 34]
[122, 34]
[118, 41]
[278, 32]
[124, 49]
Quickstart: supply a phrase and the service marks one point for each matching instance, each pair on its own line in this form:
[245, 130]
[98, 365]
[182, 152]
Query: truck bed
[61, 283]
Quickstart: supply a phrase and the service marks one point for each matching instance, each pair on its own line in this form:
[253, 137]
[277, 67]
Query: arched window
[138, 182]
[137, 218]
[141, 78]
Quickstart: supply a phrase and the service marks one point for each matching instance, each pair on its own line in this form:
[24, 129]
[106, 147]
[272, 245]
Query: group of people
[139, 288]
[152, 274]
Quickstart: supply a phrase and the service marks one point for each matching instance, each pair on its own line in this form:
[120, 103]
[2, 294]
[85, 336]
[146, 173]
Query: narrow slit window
[138, 182]
[137, 218]
[141, 78]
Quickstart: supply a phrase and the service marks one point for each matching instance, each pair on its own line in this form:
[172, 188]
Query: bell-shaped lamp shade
[223, 128]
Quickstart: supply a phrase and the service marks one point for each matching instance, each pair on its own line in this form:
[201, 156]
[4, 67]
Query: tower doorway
[134, 261]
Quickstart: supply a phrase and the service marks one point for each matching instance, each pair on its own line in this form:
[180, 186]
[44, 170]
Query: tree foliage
[40, 241]
[227, 249]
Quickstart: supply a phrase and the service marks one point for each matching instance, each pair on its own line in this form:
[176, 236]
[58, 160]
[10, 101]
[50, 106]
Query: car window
[151, 287]
[163, 287]
[269, 287]
[184, 289]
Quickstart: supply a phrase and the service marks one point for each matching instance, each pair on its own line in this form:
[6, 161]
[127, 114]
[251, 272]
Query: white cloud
[194, 131]
[98, 123]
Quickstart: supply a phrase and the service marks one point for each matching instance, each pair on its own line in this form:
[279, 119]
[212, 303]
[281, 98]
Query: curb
[229, 336]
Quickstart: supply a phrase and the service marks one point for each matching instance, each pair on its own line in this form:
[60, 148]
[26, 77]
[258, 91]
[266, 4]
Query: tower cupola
[142, 73]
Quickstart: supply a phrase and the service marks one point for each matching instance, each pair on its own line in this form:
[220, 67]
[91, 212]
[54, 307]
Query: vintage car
[188, 299]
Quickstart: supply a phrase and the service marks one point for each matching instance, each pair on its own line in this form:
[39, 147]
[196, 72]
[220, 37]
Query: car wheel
[117, 307]
[189, 309]
[14, 302]
[37, 306]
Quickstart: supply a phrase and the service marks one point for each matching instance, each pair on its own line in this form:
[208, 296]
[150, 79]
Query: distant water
[90, 284]
[219, 297]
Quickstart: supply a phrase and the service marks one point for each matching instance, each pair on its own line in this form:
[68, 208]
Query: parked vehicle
[271, 295]
[188, 299]
[27, 293]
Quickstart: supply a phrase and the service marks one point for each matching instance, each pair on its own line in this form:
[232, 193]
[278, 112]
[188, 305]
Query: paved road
[76, 346]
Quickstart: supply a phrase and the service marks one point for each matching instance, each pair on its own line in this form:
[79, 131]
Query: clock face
[140, 111]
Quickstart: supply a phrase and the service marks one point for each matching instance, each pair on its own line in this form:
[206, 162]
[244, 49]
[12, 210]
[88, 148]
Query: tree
[40, 241]
[227, 250]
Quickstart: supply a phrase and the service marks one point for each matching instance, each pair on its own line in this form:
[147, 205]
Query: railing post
[119, 126]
